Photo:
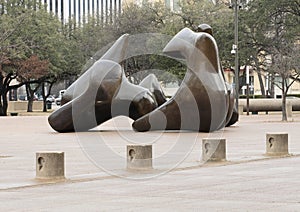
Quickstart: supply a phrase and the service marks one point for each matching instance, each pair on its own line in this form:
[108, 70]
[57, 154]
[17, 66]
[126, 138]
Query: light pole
[247, 84]
[235, 51]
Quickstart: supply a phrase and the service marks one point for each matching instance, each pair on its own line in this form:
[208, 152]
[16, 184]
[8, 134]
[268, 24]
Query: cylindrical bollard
[50, 165]
[277, 144]
[139, 157]
[214, 149]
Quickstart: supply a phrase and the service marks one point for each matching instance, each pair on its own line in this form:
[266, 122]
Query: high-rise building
[81, 10]
[78, 10]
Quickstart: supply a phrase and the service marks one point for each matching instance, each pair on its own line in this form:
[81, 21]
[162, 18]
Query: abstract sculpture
[108, 94]
[203, 102]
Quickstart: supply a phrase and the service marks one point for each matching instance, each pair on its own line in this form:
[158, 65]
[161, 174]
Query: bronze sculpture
[202, 102]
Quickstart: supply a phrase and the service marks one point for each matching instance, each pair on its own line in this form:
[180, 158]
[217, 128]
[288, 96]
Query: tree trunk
[51, 83]
[284, 115]
[30, 104]
[30, 94]
[4, 104]
[44, 98]
[1, 94]
[30, 97]
[4, 89]
[1, 108]
[44, 105]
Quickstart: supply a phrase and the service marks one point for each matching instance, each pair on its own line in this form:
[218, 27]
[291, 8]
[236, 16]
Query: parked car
[58, 99]
[23, 97]
[35, 97]
[50, 99]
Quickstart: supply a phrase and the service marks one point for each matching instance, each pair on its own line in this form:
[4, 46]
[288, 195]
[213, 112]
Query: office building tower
[81, 10]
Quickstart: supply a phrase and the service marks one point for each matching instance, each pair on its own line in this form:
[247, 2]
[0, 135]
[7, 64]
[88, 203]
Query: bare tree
[285, 64]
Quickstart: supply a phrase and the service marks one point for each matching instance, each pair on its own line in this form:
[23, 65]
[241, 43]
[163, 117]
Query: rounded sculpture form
[151, 83]
[116, 54]
[232, 115]
[202, 102]
[102, 99]
[205, 28]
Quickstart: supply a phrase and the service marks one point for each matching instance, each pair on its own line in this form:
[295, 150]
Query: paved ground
[97, 179]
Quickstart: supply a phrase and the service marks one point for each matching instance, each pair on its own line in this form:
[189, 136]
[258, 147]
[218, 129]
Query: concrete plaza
[97, 178]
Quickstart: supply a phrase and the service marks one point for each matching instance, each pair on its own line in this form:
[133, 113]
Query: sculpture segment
[202, 101]
[116, 53]
[103, 98]
[232, 114]
[151, 83]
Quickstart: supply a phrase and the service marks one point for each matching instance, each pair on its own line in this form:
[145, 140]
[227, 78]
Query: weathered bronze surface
[108, 94]
[151, 83]
[232, 115]
[202, 102]
[116, 53]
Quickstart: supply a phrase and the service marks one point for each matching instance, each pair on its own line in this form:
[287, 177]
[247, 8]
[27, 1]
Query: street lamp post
[247, 84]
[236, 62]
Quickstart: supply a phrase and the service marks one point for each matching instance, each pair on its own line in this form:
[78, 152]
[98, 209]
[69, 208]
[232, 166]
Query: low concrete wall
[22, 106]
[256, 105]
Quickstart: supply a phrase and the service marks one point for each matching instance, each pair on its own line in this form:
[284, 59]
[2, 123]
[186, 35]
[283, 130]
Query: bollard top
[213, 139]
[139, 145]
[50, 153]
[276, 133]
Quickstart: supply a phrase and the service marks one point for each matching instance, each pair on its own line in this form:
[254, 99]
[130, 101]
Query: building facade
[81, 10]
[171, 4]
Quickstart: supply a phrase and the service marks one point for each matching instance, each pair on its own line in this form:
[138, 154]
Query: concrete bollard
[277, 144]
[139, 157]
[214, 149]
[50, 165]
